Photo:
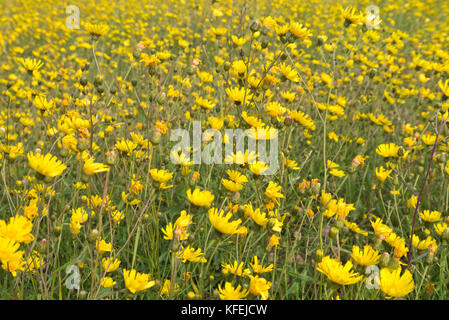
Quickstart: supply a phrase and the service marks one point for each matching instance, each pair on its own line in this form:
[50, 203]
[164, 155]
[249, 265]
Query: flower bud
[136, 54]
[264, 30]
[339, 224]
[155, 138]
[333, 233]
[63, 151]
[83, 144]
[384, 260]
[93, 235]
[445, 235]
[83, 80]
[111, 157]
[393, 263]
[42, 246]
[430, 258]
[255, 26]
[82, 295]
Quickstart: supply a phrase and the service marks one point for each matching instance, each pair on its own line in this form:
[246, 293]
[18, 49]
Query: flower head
[338, 273]
[221, 222]
[136, 281]
[200, 198]
[231, 293]
[48, 165]
[393, 284]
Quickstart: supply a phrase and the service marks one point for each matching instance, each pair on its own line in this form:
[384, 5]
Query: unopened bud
[255, 26]
[155, 138]
[384, 260]
[42, 246]
[333, 233]
[93, 236]
[83, 144]
[111, 158]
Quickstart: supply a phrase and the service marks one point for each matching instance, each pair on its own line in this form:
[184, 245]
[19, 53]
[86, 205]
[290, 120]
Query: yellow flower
[108, 282]
[288, 72]
[272, 191]
[231, 293]
[34, 262]
[221, 222]
[18, 229]
[238, 41]
[429, 216]
[239, 69]
[47, 165]
[258, 217]
[31, 65]
[200, 198]
[179, 229]
[204, 103]
[79, 215]
[338, 273]
[440, 227]
[126, 146]
[388, 150]
[149, 61]
[257, 268]
[238, 95]
[103, 247]
[273, 242]
[382, 174]
[231, 185]
[258, 167]
[161, 176]
[235, 268]
[411, 203]
[110, 264]
[251, 120]
[10, 257]
[367, 257]
[97, 30]
[236, 176]
[136, 281]
[167, 286]
[299, 31]
[444, 87]
[395, 285]
[190, 254]
[90, 167]
[351, 16]
[355, 228]
[259, 287]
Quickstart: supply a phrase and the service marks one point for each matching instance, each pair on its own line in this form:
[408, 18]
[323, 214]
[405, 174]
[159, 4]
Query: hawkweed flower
[200, 198]
[337, 273]
[48, 165]
[136, 281]
[393, 284]
[367, 257]
[259, 287]
[18, 229]
[235, 268]
[31, 65]
[220, 221]
[231, 293]
[272, 192]
[96, 30]
[90, 167]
